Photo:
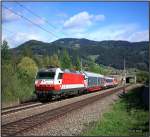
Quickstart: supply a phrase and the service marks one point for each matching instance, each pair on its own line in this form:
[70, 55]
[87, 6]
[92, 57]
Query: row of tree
[62, 59]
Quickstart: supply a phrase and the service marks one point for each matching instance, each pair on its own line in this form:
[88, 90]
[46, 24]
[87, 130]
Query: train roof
[52, 69]
[91, 74]
[71, 71]
[106, 77]
[48, 69]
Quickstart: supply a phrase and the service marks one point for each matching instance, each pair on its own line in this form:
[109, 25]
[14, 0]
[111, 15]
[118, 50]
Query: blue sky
[92, 20]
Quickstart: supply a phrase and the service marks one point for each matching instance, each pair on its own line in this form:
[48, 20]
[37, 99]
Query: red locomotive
[56, 82]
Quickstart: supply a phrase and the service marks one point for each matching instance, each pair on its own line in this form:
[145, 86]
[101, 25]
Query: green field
[128, 117]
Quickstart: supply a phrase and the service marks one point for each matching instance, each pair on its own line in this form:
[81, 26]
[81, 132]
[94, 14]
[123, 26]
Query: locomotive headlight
[36, 82]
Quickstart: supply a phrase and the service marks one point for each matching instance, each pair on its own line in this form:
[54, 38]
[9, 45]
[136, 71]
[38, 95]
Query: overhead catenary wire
[35, 14]
[37, 25]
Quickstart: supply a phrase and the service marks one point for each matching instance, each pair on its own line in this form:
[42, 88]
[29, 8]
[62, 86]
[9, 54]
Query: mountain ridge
[76, 39]
[107, 52]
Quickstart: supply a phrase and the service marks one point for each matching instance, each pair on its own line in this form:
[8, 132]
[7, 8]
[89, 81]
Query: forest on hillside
[107, 53]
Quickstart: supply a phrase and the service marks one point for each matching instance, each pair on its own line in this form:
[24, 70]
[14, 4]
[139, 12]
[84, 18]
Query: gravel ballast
[72, 123]
[75, 122]
[40, 109]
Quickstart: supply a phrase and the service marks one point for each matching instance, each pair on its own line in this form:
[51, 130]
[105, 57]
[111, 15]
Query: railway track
[28, 123]
[14, 109]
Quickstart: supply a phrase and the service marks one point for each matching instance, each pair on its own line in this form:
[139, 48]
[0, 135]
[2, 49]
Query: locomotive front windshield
[45, 75]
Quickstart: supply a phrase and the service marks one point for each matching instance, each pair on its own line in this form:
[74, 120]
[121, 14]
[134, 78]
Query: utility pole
[125, 70]
[124, 83]
[81, 65]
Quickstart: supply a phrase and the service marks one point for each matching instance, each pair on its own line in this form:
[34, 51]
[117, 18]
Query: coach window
[60, 75]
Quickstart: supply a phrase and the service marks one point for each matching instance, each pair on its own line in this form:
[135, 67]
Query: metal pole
[124, 76]
[135, 79]
[81, 64]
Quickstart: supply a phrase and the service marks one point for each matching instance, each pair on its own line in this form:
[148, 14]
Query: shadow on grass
[134, 99]
[138, 109]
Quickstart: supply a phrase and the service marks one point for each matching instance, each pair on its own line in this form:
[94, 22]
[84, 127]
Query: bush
[20, 84]
[27, 69]
[10, 84]
[143, 77]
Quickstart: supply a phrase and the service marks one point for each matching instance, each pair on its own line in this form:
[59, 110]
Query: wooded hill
[108, 53]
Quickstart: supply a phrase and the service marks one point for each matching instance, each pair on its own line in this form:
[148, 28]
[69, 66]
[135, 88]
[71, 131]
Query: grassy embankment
[128, 117]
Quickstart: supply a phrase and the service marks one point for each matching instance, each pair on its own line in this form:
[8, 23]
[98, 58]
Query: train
[56, 82]
[110, 82]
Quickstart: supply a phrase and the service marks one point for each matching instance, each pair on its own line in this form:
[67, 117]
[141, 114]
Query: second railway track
[23, 106]
[22, 125]
[9, 110]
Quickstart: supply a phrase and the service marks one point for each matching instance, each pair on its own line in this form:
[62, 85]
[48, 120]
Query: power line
[30, 21]
[37, 16]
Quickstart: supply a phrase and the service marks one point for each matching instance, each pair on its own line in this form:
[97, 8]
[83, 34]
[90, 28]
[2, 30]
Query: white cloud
[79, 20]
[21, 37]
[139, 36]
[8, 16]
[82, 20]
[128, 32]
[25, 36]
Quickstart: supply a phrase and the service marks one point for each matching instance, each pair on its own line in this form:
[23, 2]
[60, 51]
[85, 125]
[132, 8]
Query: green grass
[125, 119]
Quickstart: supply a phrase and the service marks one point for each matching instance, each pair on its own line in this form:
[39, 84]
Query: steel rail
[19, 108]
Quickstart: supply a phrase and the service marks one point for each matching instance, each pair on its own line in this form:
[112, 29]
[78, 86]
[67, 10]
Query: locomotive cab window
[85, 78]
[60, 75]
[45, 75]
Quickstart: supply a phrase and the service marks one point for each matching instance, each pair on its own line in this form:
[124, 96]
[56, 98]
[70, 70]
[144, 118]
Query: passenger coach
[94, 81]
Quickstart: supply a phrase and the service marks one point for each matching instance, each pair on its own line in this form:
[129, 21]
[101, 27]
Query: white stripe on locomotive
[70, 86]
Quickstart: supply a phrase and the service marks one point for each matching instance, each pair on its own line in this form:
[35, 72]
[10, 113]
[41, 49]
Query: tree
[65, 60]
[54, 60]
[5, 54]
[27, 69]
[94, 67]
[78, 63]
[46, 60]
[143, 76]
[39, 61]
[27, 52]
[10, 83]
